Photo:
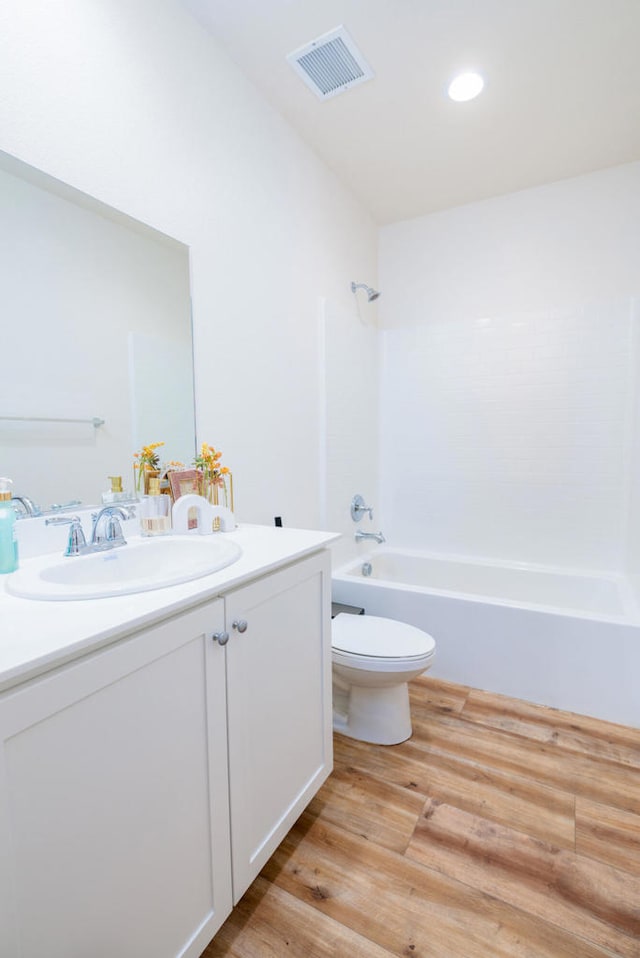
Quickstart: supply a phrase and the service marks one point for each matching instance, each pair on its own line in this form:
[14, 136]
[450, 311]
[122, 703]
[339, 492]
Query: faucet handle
[61, 506]
[107, 530]
[113, 530]
[358, 508]
[76, 541]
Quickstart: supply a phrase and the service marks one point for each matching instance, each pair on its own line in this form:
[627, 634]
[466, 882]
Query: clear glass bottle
[8, 540]
[155, 511]
[116, 493]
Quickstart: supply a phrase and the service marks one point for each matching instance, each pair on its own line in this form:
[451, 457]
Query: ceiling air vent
[331, 64]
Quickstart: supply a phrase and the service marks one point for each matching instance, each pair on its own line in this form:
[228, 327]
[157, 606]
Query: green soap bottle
[8, 540]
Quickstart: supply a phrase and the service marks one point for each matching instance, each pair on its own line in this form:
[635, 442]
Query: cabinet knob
[240, 625]
[220, 637]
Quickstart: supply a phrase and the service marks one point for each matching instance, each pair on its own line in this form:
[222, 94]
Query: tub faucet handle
[359, 507]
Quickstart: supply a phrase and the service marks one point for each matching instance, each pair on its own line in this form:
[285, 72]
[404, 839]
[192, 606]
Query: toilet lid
[378, 637]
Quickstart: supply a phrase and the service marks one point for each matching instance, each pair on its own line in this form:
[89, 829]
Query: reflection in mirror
[96, 326]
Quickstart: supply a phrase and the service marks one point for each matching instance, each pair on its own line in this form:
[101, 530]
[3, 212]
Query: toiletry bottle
[116, 493]
[155, 511]
[8, 540]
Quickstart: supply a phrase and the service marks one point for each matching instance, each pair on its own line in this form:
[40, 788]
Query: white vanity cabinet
[113, 792]
[127, 777]
[279, 707]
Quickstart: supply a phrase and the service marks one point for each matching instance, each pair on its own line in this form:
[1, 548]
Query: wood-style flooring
[499, 830]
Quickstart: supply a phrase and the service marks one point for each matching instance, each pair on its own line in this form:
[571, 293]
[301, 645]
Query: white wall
[509, 367]
[132, 102]
[350, 411]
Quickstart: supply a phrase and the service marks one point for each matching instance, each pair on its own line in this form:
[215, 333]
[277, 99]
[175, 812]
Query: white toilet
[373, 659]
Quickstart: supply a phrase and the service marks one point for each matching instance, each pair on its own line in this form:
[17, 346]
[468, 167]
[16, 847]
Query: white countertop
[36, 636]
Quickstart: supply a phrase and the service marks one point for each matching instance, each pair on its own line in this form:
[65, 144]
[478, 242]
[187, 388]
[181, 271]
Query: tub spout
[360, 535]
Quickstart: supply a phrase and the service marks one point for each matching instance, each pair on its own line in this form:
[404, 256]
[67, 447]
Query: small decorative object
[165, 478]
[184, 482]
[146, 466]
[116, 493]
[192, 511]
[216, 480]
[155, 511]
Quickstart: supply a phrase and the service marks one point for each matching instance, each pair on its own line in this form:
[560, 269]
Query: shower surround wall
[509, 364]
[349, 361]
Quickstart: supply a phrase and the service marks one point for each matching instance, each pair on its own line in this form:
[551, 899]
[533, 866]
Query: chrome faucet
[360, 535]
[28, 506]
[107, 531]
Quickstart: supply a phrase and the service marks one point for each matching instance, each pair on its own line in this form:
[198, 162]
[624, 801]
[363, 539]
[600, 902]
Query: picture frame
[183, 482]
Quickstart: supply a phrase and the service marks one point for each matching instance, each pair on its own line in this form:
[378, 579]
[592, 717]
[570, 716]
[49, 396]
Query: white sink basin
[140, 566]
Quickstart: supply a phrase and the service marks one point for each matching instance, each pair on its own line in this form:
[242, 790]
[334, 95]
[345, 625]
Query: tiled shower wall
[510, 435]
[350, 402]
[509, 427]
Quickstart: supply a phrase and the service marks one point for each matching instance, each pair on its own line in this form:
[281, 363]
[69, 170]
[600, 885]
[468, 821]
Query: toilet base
[373, 714]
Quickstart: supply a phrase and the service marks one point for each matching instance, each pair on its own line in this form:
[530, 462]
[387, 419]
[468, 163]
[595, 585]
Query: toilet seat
[373, 642]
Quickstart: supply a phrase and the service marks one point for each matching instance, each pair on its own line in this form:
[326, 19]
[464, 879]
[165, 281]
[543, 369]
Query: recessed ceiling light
[465, 87]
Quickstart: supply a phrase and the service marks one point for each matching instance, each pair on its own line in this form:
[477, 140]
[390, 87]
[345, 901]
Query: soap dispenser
[8, 540]
[116, 493]
[155, 511]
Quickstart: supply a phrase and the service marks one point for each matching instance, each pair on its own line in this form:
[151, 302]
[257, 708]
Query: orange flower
[208, 462]
[148, 458]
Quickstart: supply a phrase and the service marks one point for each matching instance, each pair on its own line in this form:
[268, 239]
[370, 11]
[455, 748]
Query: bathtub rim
[630, 616]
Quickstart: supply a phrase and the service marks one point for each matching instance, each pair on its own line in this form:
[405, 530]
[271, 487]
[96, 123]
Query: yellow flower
[146, 459]
[208, 462]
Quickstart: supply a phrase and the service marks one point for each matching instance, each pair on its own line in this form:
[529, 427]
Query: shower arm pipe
[371, 292]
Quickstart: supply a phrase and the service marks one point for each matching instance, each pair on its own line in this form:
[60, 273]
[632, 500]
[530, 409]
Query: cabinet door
[114, 838]
[279, 707]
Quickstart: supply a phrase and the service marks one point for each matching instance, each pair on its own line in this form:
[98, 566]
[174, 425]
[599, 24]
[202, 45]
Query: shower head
[371, 292]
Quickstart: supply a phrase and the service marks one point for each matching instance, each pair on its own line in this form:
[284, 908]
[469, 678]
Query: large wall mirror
[96, 344]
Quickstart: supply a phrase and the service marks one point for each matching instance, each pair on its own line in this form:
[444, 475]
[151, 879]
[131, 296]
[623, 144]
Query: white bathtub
[564, 639]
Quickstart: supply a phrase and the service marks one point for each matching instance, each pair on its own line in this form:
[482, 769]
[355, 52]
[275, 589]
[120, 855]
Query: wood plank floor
[499, 830]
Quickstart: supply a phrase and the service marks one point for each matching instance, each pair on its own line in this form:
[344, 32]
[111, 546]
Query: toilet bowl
[373, 659]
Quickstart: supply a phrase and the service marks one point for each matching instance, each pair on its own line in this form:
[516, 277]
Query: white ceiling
[562, 94]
